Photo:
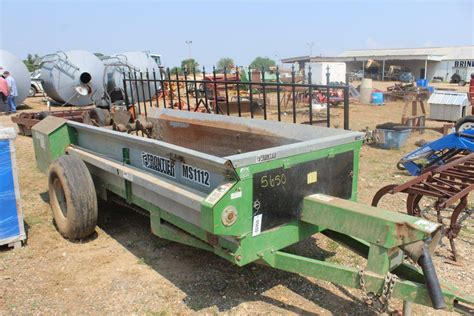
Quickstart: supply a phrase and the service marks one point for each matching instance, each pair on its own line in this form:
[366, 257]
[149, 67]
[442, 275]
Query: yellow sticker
[312, 177]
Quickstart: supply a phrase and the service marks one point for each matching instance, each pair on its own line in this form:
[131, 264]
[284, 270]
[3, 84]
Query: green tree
[31, 62]
[99, 55]
[225, 62]
[190, 64]
[262, 62]
[176, 70]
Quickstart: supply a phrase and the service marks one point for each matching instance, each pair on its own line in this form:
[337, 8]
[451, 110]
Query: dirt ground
[124, 269]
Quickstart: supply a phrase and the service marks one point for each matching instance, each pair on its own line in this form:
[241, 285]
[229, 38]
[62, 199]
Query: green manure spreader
[243, 189]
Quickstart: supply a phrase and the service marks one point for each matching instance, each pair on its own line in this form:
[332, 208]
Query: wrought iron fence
[269, 95]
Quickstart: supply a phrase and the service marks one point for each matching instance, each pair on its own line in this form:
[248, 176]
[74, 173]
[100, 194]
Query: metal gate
[269, 95]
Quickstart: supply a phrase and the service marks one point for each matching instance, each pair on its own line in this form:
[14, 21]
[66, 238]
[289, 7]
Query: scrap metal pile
[401, 90]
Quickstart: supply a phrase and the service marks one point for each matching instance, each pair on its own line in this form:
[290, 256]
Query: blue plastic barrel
[422, 83]
[377, 98]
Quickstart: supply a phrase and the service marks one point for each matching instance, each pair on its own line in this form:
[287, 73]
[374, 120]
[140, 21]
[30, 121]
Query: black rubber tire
[400, 166]
[32, 92]
[462, 121]
[97, 116]
[72, 197]
[42, 115]
[455, 78]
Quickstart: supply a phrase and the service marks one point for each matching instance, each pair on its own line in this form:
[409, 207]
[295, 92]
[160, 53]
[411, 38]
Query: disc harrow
[449, 184]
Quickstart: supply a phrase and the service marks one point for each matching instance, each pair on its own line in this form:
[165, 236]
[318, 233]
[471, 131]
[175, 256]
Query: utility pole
[189, 43]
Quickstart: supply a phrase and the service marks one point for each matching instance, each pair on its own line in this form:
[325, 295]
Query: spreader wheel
[72, 197]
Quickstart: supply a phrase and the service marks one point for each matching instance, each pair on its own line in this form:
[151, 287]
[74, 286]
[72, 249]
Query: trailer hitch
[384, 238]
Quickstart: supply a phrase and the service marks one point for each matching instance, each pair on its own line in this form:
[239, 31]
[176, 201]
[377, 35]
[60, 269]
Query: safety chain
[379, 302]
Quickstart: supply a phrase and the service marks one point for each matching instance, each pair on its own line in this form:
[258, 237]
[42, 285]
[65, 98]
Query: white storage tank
[448, 105]
[132, 63]
[365, 91]
[337, 72]
[74, 77]
[18, 71]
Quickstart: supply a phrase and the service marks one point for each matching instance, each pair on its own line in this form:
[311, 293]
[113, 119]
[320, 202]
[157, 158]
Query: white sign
[201, 176]
[257, 225]
[159, 164]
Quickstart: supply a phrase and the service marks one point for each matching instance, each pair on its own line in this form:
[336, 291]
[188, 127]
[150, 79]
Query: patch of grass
[141, 261]
[34, 220]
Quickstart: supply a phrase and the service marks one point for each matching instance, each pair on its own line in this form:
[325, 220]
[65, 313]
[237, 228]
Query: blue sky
[238, 29]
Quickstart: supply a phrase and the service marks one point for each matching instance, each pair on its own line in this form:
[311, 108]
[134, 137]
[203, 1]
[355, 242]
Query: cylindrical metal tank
[18, 71]
[74, 77]
[134, 64]
[365, 91]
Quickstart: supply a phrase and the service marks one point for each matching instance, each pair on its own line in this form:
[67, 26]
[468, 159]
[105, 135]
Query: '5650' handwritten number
[269, 181]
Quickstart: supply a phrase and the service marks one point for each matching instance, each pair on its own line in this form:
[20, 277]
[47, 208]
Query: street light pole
[189, 48]
[310, 45]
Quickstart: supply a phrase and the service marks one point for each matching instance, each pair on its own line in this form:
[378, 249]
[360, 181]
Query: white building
[423, 63]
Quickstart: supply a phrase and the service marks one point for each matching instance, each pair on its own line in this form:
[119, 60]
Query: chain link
[379, 302]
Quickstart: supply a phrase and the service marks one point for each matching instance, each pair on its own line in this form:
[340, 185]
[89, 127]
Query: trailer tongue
[244, 190]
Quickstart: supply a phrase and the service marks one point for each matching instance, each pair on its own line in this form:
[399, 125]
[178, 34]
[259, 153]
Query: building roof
[446, 53]
[422, 53]
[448, 97]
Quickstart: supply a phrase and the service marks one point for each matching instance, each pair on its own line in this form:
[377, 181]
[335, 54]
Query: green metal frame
[375, 234]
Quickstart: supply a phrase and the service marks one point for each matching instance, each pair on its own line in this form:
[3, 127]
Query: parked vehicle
[461, 80]
[406, 77]
[357, 75]
[36, 84]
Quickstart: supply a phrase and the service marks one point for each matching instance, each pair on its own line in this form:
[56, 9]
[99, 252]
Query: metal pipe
[264, 95]
[293, 92]
[149, 89]
[310, 97]
[426, 68]
[169, 85]
[186, 87]
[177, 90]
[431, 279]
[346, 103]
[143, 91]
[216, 104]
[238, 94]
[250, 93]
[328, 113]
[195, 89]
[226, 91]
[383, 70]
[156, 88]
[163, 90]
[278, 93]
